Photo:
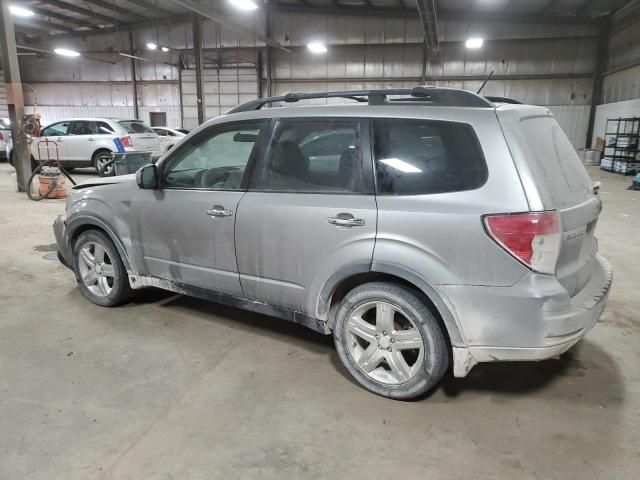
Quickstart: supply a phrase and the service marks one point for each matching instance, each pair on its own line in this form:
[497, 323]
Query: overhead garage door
[223, 89]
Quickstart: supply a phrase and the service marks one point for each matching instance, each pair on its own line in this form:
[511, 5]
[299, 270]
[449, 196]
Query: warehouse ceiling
[87, 17]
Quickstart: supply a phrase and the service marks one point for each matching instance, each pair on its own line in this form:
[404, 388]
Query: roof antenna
[485, 81]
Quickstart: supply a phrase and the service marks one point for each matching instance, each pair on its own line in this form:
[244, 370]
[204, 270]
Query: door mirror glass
[147, 177]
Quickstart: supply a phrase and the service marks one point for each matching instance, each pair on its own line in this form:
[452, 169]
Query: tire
[104, 285]
[400, 356]
[99, 159]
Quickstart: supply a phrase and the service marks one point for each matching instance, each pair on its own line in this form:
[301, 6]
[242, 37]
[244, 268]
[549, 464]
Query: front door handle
[91, 139]
[219, 211]
[345, 220]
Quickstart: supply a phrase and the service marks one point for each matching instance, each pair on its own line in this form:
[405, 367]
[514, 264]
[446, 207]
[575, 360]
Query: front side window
[215, 160]
[312, 156]
[423, 156]
[56, 130]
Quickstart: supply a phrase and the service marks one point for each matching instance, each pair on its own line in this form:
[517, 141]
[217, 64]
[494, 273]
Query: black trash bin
[130, 162]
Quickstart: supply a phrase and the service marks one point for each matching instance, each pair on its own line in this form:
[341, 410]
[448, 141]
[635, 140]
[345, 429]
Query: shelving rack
[622, 146]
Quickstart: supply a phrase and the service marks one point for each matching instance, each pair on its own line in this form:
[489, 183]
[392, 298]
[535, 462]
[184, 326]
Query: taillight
[1, 136]
[533, 238]
[126, 141]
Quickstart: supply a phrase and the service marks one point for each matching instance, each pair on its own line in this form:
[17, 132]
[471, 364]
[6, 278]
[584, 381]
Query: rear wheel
[99, 271]
[390, 341]
[102, 163]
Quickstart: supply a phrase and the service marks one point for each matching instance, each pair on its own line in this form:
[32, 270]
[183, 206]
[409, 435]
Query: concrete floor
[175, 388]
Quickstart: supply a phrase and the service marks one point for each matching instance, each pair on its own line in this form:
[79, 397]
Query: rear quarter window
[414, 157]
[135, 127]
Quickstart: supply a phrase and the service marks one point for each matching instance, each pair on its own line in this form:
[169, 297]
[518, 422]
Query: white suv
[90, 142]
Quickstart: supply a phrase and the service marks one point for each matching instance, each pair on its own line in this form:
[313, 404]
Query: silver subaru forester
[422, 227]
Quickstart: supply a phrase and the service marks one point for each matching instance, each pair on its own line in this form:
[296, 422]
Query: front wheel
[100, 273]
[390, 341]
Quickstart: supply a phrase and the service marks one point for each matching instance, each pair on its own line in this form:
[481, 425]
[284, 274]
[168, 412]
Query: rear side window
[415, 157]
[135, 127]
[312, 156]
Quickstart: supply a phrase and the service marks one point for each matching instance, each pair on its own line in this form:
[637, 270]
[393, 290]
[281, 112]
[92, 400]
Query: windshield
[133, 126]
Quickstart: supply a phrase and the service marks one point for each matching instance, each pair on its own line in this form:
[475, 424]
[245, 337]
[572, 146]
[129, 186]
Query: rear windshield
[555, 165]
[132, 126]
[424, 157]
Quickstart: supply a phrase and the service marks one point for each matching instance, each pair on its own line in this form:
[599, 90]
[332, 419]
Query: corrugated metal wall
[364, 52]
[3, 98]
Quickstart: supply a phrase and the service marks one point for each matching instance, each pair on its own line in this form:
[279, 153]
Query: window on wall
[214, 160]
[312, 156]
[422, 156]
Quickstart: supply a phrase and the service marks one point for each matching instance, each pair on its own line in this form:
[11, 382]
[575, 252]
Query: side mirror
[147, 177]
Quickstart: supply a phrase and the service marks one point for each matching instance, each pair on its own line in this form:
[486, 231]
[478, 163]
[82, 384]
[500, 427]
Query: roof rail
[423, 95]
[502, 100]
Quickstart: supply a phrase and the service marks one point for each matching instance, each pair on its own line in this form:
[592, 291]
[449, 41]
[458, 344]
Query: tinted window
[103, 128]
[215, 160]
[132, 126]
[161, 131]
[83, 127]
[419, 157]
[312, 156]
[56, 130]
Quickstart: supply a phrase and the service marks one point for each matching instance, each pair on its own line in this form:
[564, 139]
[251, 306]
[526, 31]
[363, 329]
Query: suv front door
[184, 231]
[310, 211]
[52, 138]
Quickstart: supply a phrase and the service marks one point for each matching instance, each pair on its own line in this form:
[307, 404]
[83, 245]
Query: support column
[269, 49]
[134, 80]
[197, 50]
[15, 98]
[599, 68]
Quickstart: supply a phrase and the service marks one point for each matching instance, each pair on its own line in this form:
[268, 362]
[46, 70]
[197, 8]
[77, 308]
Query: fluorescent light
[244, 4]
[65, 52]
[20, 11]
[164, 49]
[400, 165]
[317, 47]
[474, 42]
[151, 46]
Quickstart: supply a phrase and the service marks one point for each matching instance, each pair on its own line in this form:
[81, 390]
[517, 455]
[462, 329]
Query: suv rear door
[307, 215]
[555, 179]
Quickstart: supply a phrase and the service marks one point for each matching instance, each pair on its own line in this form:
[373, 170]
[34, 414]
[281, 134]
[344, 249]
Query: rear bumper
[534, 319]
[64, 249]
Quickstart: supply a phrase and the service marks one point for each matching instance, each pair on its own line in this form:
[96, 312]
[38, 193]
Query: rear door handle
[219, 211]
[345, 220]
[91, 139]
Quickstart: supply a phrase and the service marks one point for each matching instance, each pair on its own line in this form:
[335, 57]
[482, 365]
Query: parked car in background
[433, 228]
[90, 142]
[5, 140]
[168, 137]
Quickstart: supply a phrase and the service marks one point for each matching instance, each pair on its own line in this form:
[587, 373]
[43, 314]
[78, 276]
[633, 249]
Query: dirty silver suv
[424, 228]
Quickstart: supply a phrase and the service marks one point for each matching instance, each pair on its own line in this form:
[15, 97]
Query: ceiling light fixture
[66, 52]
[244, 4]
[165, 49]
[152, 46]
[317, 47]
[20, 11]
[474, 42]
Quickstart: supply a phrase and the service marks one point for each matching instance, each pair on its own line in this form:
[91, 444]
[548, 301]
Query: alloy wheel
[384, 343]
[96, 269]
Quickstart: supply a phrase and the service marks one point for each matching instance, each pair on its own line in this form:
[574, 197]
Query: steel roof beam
[429, 20]
[94, 16]
[226, 22]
